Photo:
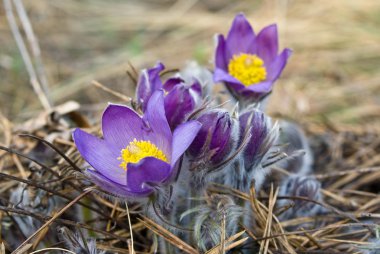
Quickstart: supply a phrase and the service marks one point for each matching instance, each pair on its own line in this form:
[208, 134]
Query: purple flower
[180, 98]
[246, 63]
[258, 126]
[257, 136]
[135, 152]
[216, 139]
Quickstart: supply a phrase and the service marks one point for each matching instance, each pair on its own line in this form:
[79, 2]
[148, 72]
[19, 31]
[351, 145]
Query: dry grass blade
[347, 172]
[25, 55]
[2, 248]
[17, 251]
[168, 236]
[229, 243]
[69, 223]
[33, 43]
[51, 249]
[72, 164]
[114, 93]
[268, 223]
[272, 199]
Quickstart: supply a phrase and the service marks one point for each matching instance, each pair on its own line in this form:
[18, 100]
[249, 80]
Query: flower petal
[121, 125]
[220, 53]
[114, 188]
[262, 87]
[222, 76]
[196, 87]
[149, 81]
[221, 141]
[241, 36]
[275, 69]
[148, 170]
[258, 123]
[171, 83]
[267, 43]
[178, 104]
[183, 136]
[100, 155]
[158, 130]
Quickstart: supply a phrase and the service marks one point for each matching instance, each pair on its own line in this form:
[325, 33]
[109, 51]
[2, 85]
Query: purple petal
[222, 76]
[183, 136]
[221, 141]
[220, 53]
[114, 188]
[267, 43]
[262, 87]
[158, 129]
[240, 37]
[178, 104]
[216, 130]
[171, 83]
[197, 87]
[121, 125]
[100, 155]
[252, 153]
[149, 81]
[276, 67]
[148, 170]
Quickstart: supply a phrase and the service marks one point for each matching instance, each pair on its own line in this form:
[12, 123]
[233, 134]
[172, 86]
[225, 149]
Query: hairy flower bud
[77, 243]
[257, 136]
[215, 141]
[304, 187]
[258, 126]
[295, 141]
[209, 216]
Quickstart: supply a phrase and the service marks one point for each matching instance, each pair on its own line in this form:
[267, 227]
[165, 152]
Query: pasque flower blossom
[136, 153]
[180, 97]
[249, 64]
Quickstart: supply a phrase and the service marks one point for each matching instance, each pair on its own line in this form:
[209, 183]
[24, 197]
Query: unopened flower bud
[215, 141]
[302, 187]
[295, 141]
[257, 137]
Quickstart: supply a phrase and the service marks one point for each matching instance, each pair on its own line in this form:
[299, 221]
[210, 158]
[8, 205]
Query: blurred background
[333, 75]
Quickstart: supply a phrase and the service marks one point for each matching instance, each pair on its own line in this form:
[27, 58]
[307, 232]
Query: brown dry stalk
[120, 236]
[167, 235]
[17, 251]
[229, 243]
[113, 92]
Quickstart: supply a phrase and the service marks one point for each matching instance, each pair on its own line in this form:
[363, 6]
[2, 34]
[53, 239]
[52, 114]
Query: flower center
[138, 150]
[247, 68]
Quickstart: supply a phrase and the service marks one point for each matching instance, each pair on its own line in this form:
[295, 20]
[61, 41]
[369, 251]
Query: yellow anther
[247, 68]
[138, 150]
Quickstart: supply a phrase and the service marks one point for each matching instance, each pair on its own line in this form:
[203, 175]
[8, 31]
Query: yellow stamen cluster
[139, 149]
[247, 68]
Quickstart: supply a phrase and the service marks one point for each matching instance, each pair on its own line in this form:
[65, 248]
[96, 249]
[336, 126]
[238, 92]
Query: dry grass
[331, 87]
